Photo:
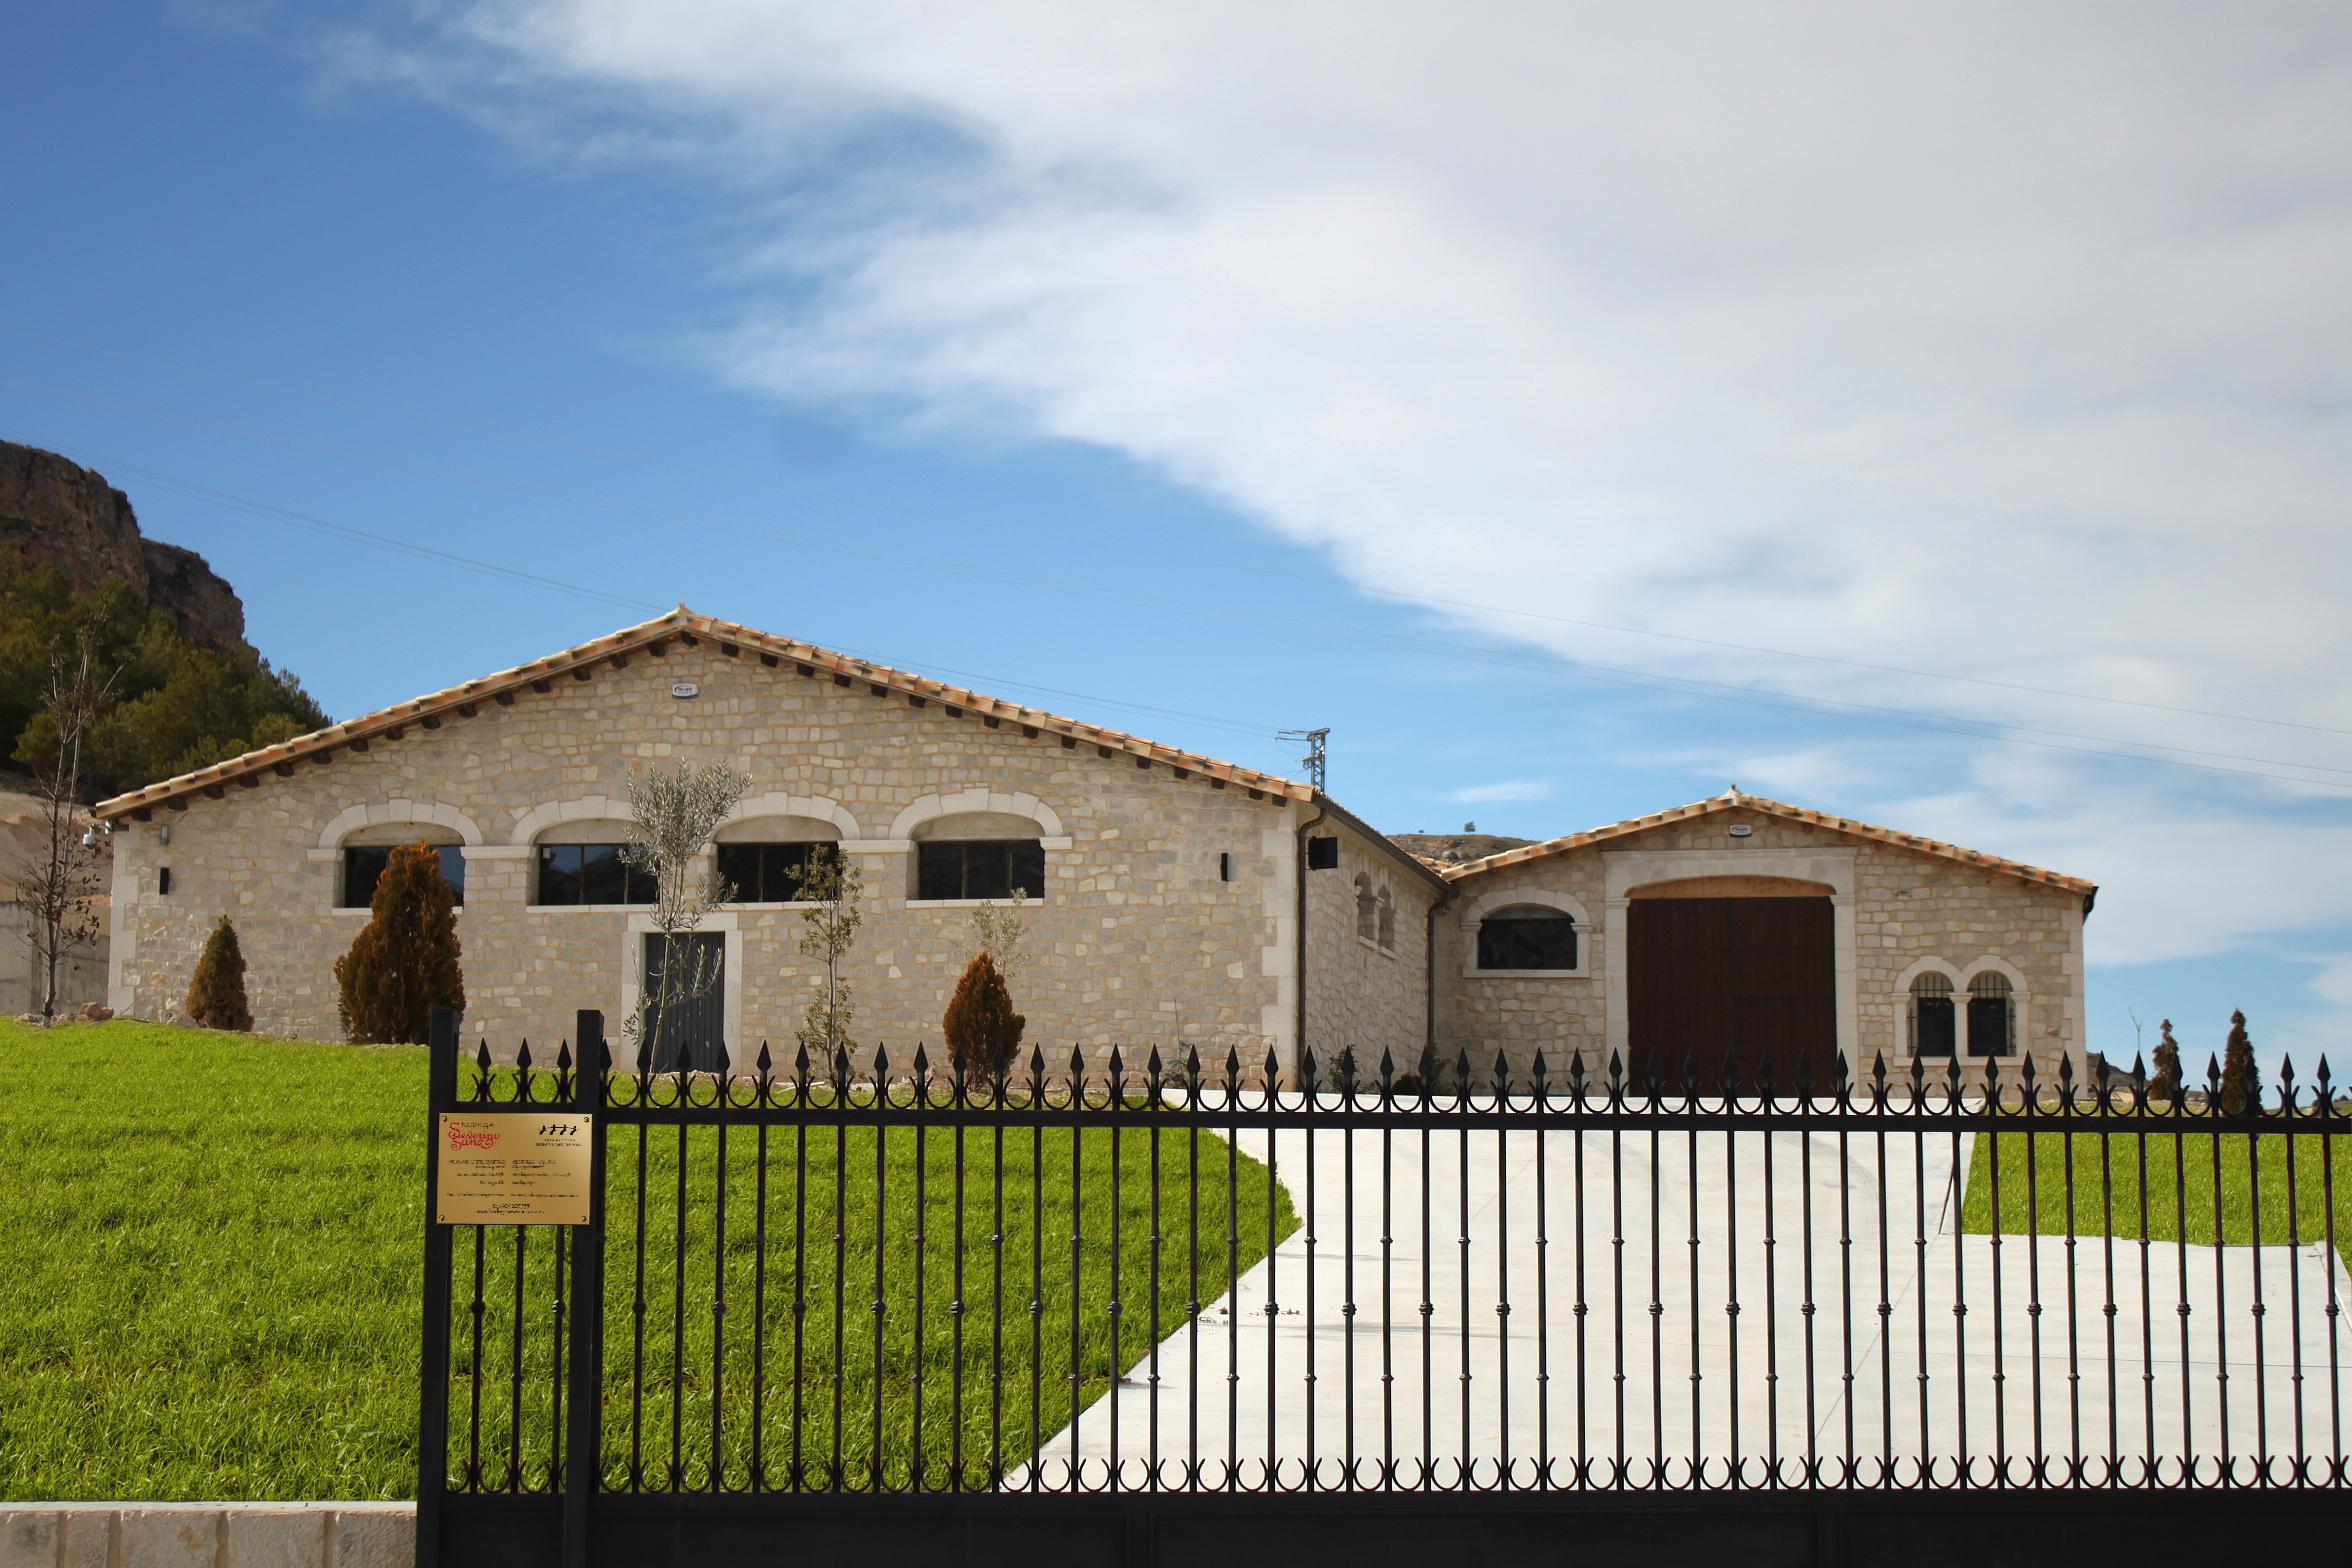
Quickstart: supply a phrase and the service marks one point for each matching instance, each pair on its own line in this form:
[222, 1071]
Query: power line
[2155, 750]
[964, 520]
[2016, 735]
[330, 529]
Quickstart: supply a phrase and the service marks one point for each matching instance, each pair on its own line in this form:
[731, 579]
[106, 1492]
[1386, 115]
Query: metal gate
[1160, 1312]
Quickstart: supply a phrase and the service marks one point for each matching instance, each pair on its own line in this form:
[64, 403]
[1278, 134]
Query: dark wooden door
[1707, 976]
[687, 1033]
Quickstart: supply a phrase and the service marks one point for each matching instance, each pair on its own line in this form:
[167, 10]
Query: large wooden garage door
[1707, 975]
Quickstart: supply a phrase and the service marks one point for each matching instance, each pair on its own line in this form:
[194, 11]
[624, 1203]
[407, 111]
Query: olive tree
[673, 813]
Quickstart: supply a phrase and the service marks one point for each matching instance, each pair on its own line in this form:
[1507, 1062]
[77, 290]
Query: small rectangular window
[163, 880]
[364, 866]
[769, 873]
[1527, 942]
[1225, 866]
[980, 868]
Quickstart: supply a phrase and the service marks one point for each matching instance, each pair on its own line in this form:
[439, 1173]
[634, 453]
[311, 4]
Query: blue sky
[1940, 421]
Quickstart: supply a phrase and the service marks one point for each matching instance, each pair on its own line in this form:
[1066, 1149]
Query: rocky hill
[1456, 849]
[58, 513]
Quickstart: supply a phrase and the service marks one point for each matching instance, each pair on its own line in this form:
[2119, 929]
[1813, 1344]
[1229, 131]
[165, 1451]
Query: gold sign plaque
[519, 1168]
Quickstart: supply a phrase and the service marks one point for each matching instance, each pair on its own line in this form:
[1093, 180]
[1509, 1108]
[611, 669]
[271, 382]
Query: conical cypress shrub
[2165, 1082]
[981, 1027]
[2241, 1081]
[404, 962]
[216, 995]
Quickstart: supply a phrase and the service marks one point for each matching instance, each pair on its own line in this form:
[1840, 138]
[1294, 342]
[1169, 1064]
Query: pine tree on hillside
[216, 996]
[404, 962]
[2241, 1081]
[2165, 1083]
[983, 1032]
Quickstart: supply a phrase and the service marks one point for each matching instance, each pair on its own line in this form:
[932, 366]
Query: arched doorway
[1718, 966]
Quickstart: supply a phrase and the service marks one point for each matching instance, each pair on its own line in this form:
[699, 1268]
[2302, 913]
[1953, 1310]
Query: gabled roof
[1734, 800]
[653, 637]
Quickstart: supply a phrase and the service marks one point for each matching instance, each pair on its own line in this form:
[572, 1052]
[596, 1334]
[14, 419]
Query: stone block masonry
[207, 1535]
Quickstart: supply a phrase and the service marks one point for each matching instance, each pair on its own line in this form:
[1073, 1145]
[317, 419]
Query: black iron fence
[1149, 1303]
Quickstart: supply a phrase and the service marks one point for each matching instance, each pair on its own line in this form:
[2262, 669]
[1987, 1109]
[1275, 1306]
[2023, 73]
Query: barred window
[1527, 936]
[1992, 1016]
[364, 866]
[979, 868]
[584, 874]
[1934, 1022]
[770, 873]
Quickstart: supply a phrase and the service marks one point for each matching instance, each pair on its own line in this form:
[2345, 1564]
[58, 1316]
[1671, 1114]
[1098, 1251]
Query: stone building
[1170, 900]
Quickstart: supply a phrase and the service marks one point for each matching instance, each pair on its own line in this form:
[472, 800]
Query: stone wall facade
[1174, 887]
[1367, 992]
[1898, 912]
[1140, 939]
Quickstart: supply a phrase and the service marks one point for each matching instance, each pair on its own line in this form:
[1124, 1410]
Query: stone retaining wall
[207, 1535]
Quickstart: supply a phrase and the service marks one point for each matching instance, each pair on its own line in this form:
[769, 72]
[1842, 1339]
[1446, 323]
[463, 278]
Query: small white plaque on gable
[685, 690]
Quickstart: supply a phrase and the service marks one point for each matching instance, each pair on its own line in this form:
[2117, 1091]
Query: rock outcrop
[57, 513]
[1456, 849]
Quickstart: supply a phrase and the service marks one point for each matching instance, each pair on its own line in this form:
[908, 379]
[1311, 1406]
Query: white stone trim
[906, 846]
[352, 818]
[1503, 898]
[777, 804]
[977, 798]
[971, 903]
[1624, 870]
[586, 808]
[640, 926]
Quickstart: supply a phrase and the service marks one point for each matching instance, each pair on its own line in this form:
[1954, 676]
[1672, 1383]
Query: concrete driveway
[1622, 1344]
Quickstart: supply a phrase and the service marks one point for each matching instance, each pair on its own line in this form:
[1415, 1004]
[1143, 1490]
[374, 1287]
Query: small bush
[983, 1032]
[216, 996]
[2241, 1080]
[2165, 1082]
[404, 962]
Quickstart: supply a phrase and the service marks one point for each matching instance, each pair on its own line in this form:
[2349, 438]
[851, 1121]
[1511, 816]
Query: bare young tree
[830, 888]
[999, 928]
[673, 812]
[57, 883]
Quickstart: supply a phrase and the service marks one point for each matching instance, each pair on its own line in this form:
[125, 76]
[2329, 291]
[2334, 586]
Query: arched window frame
[976, 801]
[442, 827]
[1367, 911]
[1985, 981]
[1903, 1027]
[796, 819]
[1513, 898]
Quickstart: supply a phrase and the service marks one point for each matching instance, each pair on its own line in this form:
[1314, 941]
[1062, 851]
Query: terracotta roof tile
[1735, 800]
[680, 623]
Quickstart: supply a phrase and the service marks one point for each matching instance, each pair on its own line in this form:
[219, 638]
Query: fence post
[583, 1452]
[433, 1372]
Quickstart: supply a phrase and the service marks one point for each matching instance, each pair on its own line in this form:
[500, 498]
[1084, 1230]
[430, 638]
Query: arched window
[368, 850]
[1934, 1023]
[1367, 910]
[1527, 936]
[1992, 1016]
[1387, 921]
[766, 860]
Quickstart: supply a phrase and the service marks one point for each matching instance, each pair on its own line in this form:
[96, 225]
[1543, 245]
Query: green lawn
[211, 1288]
[2179, 1177]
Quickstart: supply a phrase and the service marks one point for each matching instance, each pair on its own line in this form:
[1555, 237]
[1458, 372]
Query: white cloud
[1503, 790]
[2004, 340]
